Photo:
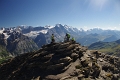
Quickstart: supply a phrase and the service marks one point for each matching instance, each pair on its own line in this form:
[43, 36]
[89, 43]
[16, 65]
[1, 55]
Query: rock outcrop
[19, 44]
[61, 61]
[16, 43]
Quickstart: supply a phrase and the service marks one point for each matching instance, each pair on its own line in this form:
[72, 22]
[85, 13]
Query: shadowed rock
[61, 61]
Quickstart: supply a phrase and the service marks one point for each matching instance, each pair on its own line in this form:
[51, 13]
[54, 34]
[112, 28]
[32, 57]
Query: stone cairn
[61, 61]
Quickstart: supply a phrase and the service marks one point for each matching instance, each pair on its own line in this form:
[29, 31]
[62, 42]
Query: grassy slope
[111, 48]
[3, 54]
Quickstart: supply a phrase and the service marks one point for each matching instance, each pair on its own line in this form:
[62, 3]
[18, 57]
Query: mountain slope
[110, 39]
[4, 54]
[61, 61]
[43, 33]
[112, 48]
[20, 45]
[16, 43]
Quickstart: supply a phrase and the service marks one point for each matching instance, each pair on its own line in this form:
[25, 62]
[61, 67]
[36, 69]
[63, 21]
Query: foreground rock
[61, 61]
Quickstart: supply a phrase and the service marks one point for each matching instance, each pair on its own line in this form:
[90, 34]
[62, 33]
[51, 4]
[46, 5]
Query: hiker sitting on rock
[52, 38]
[67, 37]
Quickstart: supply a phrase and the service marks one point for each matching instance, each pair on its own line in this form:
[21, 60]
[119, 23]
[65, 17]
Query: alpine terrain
[23, 39]
[15, 42]
[61, 61]
[41, 35]
[112, 48]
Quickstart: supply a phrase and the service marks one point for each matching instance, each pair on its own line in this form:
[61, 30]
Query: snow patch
[68, 28]
[34, 34]
[49, 27]
[6, 35]
[1, 31]
[44, 31]
[59, 25]
[80, 29]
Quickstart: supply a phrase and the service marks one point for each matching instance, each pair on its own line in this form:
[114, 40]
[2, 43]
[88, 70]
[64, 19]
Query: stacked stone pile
[61, 61]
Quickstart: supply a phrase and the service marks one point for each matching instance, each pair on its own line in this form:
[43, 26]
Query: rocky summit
[61, 61]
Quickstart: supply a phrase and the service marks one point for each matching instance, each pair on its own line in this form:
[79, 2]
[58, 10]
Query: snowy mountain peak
[49, 27]
[80, 29]
[67, 26]
[96, 29]
[58, 25]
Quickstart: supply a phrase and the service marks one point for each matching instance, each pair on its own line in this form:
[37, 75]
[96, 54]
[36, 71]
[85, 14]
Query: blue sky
[76, 13]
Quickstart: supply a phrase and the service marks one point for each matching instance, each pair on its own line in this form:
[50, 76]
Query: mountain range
[84, 37]
[27, 54]
[23, 39]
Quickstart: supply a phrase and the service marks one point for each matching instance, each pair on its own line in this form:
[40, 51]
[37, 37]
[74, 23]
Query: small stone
[81, 76]
[101, 60]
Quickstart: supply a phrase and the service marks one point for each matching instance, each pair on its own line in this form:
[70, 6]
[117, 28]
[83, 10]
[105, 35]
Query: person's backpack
[68, 35]
[52, 37]
[73, 39]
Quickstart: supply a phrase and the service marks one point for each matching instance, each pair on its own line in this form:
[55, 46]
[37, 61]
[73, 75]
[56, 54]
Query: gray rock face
[20, 44]
[62, 61]
[40, 40]
[2, 40]
[15, 42]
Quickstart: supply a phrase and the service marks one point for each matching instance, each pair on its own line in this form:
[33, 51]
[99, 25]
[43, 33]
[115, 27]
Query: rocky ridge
[61, 61]
[16, 43]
